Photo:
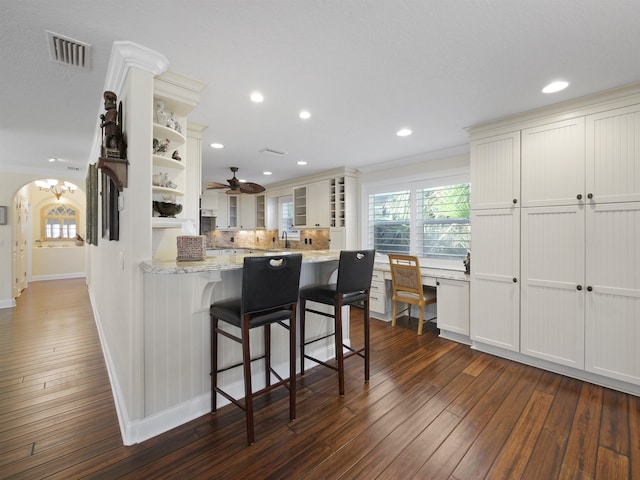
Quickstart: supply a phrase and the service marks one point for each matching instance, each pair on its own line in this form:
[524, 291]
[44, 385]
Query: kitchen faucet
[286, 239]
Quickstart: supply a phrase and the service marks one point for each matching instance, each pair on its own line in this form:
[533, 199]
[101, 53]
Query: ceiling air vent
[68, 51]
[271, 150]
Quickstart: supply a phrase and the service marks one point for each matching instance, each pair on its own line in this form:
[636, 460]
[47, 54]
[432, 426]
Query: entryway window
[59, 222]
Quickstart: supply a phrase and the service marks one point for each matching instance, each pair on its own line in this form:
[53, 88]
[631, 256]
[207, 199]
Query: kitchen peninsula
[177, 297]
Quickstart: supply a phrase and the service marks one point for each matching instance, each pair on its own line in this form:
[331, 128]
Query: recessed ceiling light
[217, 145]
[304, 114]
[257, 97]
[302, 162]
[404, 132]
[242, 180]
[52, 159]
[554, 87]
[266, 173]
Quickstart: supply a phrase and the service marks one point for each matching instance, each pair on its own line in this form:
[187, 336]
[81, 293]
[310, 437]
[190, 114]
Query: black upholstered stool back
[355, 271]
[269, 282]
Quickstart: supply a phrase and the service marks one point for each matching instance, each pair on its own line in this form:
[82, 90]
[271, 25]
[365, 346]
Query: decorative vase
[160, 116]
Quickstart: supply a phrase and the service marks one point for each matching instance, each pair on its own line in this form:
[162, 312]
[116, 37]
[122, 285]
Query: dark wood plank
[432, 409]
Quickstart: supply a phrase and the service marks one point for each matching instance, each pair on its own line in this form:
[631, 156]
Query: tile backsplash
[309, 239]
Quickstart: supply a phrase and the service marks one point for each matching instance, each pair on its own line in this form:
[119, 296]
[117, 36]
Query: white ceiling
[362, 68]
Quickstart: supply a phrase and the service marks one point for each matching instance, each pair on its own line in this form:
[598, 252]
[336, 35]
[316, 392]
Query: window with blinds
[433, 221]
[443, 229]
[390, 222]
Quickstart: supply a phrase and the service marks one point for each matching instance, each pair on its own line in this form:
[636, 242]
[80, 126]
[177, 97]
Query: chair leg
[248, 394]
[214, 363]
[366, 339]
[303, 304]
[292, 364]
[394, 313]
[420, 319]
[339, 347]
[267, 354]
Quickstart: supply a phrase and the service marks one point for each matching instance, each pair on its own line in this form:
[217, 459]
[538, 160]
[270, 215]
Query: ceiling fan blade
[212, 185]
[233, 192]
[250, 187]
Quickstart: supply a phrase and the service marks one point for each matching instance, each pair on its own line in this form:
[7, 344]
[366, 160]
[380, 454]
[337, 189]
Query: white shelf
[167, 222]
[167, 191]
[161, 132]
[160, 161]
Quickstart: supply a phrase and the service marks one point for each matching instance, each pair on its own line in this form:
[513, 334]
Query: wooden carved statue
[113, 145]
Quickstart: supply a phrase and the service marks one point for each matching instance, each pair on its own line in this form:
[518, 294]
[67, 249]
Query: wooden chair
[269, 295]
[406, 284]
[355, 271]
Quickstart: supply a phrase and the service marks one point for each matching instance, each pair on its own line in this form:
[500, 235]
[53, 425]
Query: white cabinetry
[233, 211]
[552, 290]
[247, 214]
[300, 206]
[495, 171]
[613, 291]
[453, 306]
[613, 156]
[495, 267]
[553, 169]
[311, 205]
[261, 211]
[579, 287]
[495, 247]
[318, 204]
[378, 293]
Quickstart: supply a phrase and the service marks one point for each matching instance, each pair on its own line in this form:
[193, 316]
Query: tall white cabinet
[495, 227]
[570, 241]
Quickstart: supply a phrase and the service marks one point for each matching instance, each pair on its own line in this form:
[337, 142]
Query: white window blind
[390, 222]
[442, 228]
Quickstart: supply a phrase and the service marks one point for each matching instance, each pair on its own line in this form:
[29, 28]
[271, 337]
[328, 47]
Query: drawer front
[378, 303]
[378, 288]
[377, 276]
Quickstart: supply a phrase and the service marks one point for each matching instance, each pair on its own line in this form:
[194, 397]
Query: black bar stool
[269, 295]
[352, 288]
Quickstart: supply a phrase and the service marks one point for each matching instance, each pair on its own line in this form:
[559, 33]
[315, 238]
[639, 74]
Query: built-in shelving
[337, 202]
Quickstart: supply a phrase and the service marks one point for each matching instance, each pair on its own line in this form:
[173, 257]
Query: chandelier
[57, 187]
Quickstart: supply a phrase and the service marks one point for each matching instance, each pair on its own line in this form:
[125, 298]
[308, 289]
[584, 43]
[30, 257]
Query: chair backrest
[355, 271]
[270, 282]
[405, 274]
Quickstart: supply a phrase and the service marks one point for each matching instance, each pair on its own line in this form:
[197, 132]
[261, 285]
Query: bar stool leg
[366, 339]
[339, 347]
[303, 309]
[214, 364]
[292, 364]
[267, 354]
[248, 395]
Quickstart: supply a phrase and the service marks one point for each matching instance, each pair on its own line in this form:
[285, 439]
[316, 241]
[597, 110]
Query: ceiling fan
[235, 186]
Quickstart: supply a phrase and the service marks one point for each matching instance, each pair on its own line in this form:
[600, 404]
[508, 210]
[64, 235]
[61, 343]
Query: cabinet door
[261, 211]
[552, 289]
[495, 171]
[247, 217]
[318, 204]
[553, 162]
[453, 306]
[232, 211]
[613, 291]
[613, 155]
[300, 206]
[495, 292]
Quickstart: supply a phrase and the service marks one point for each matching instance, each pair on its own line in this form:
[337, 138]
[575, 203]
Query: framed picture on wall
[3, 215]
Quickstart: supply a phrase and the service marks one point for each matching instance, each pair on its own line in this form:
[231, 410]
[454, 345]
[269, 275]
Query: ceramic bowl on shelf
[167, 209]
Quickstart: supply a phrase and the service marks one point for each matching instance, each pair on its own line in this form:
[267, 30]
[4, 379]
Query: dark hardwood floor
[433, 409]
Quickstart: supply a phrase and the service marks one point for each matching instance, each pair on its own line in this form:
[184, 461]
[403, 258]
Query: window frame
[292, 234]
[44, 216]
[413, 186]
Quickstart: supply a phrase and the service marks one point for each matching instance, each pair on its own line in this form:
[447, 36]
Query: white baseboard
[8, 303]
[60, 276]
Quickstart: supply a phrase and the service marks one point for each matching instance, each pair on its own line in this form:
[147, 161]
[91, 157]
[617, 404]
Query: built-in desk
[452, 306]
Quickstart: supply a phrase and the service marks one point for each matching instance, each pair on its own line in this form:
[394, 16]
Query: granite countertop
[231, 262]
